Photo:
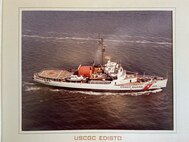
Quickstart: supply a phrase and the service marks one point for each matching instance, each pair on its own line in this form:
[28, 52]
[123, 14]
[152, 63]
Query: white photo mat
[11, 72]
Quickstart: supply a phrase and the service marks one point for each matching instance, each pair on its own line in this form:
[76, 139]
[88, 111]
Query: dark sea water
[141, 41]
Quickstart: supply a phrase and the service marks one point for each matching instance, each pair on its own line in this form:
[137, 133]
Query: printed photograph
[97, 70]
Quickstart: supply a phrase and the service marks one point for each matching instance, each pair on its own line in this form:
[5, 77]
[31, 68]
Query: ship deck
[54, 74]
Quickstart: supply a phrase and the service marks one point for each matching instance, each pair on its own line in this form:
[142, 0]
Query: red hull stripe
[147, 86]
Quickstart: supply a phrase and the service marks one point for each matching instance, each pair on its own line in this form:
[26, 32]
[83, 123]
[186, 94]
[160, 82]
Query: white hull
[151, 85]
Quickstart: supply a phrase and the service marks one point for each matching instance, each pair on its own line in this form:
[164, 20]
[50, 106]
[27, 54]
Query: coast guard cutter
[102, 77]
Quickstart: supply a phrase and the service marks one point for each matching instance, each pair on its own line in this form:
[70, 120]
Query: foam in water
[30, 88]
[55, 90]
[93, 39]
[28, 83]
[112, 93]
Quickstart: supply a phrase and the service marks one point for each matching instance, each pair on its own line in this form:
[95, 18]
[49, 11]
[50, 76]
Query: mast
[101, 47]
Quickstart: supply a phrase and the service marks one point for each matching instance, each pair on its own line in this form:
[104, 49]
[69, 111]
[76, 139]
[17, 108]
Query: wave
[28, 83]
[95, 39]
[152, 37]
[151, 42]
[55, 90]
[141, 41]
[32, 88]
[60, 38]
[113, 93]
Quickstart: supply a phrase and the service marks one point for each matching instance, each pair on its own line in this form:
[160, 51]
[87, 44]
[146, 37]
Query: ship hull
[130, 87]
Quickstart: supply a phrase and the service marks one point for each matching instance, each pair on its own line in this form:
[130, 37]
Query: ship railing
[100, 82]
[37, 76]
[148, 78]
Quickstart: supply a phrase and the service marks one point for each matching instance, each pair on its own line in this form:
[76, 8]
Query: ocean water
[140, 40]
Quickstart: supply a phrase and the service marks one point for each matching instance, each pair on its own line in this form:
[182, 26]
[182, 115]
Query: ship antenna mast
[101, 47]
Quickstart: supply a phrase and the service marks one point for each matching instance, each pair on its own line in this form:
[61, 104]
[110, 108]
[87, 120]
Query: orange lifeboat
[85, 71]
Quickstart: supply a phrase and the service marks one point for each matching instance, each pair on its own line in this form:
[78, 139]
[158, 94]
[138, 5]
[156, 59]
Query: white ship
[103, 77]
